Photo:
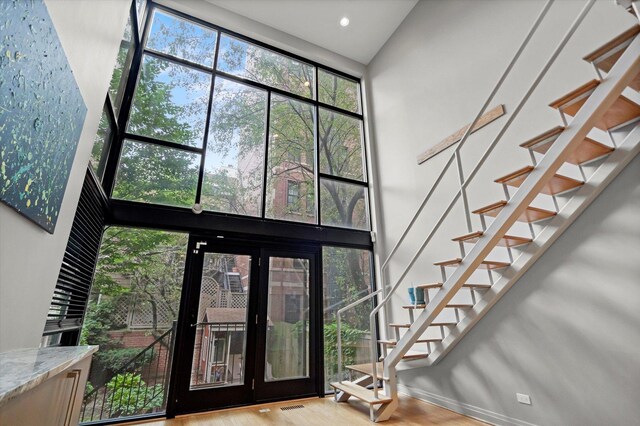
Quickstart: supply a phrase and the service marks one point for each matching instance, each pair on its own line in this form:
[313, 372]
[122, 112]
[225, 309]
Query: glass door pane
[220, 345]
[287, 342]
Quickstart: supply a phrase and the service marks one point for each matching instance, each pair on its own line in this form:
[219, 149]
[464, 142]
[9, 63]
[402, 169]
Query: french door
[248, 326]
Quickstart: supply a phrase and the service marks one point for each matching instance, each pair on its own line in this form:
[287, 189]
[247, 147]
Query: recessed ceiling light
[344, 21]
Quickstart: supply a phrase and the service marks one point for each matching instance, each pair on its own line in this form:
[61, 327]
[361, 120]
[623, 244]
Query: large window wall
[201, 119]
[216, 122]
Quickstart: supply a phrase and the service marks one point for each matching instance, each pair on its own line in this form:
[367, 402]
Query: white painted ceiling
[316, 21]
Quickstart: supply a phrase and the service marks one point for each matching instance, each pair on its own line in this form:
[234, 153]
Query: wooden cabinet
[49, 399]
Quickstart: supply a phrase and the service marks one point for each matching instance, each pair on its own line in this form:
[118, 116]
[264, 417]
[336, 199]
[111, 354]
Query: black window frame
[126, 208]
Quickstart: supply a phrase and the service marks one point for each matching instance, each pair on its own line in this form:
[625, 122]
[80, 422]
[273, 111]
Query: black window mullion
[266, 156]
[166, 144]
[125, 107]
[343, 179]
[317, 153]
[340, 110]
[205, 141]
[170, 58]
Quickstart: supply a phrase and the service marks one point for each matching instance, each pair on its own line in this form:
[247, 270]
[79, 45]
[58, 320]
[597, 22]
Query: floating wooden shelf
[486, 264]
[556, 185]
[588, 150]
[608, 54]
[622, 111]
[505, 241]
[530, 215]
[362, 393]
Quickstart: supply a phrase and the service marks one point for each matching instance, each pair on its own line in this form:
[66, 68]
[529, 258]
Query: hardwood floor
[320, 411]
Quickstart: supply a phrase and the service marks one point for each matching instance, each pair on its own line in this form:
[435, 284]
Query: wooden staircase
[597, 104]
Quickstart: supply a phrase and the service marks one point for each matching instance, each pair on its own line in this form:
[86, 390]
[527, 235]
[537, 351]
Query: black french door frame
[299, 387]
[183, 401]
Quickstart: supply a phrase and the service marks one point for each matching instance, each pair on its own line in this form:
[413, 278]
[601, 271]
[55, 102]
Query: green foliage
[88, 388]
[99, 320]
[116, 359]
[128, 394]
[350, 338]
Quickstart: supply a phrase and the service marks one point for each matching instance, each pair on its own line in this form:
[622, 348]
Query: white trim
[468, 410]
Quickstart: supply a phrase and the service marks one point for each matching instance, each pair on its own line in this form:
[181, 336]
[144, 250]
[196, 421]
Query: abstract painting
[41, 113]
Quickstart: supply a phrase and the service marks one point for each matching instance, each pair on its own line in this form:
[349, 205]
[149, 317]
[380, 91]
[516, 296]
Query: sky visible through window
[314, 139]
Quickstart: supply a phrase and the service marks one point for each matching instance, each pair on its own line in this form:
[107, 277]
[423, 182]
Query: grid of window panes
[241, 129]
[107, 129]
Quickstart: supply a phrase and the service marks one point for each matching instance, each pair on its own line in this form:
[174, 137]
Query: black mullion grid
[317, 153]
[166, 144]
[266, 157]
[207, 122]
[252, 41]
[287, 94]
[221, 30]
[184, 62]
[343, 179]
[111, 168]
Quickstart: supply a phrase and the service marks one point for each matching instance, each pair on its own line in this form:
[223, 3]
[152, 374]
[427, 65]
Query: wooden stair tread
[435, 323]
[366, 369]
[622, 111]
[556, 185]
[585, 88]
[398, 325]
[410, 356]
[486, 264]
[429, 285]
[505, 241]
[449, 262]
[477, 285]
[437, 285]
[553, 133]
[588, 149]
[531, 214]
[362, 393]
[393, 342]
[605, 61]
[450, 305]
[616, 41]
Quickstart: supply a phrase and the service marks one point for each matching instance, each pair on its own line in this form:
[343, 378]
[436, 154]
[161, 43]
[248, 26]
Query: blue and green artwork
[41, 113]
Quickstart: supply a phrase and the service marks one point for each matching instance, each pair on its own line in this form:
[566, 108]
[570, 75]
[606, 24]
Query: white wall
[90, 33]
[429, 80]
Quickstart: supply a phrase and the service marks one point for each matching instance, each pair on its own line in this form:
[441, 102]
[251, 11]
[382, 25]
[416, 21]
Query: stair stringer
[580, 201]
[598, 103]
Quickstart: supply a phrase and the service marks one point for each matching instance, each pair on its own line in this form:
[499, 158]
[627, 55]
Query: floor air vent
[292, 407]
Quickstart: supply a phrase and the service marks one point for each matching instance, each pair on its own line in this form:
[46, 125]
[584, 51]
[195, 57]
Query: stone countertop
[24, 369]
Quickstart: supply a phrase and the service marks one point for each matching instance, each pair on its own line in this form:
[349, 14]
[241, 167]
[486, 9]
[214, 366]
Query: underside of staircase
[436, 324]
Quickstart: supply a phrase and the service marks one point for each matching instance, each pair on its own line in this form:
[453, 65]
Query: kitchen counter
[24, 369]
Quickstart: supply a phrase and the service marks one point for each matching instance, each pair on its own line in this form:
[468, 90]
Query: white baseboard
[462, 408]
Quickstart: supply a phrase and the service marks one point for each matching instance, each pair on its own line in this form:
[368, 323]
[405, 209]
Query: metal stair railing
[449, 289]
[599, 101]
[94, 410]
